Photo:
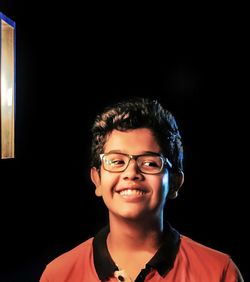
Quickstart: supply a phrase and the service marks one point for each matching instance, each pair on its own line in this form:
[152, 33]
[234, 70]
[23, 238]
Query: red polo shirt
[179, 259]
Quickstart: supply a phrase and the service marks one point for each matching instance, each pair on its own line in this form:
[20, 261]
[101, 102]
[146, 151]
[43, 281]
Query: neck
[130, 235]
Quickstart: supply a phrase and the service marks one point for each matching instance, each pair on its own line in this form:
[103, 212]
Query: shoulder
[208, 261]
[72, 255]
[70, 261]
[189, 247]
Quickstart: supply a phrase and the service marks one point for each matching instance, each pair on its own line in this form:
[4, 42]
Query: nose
[132, 171]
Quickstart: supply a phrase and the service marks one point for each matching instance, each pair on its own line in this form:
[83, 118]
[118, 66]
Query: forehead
[135, 141]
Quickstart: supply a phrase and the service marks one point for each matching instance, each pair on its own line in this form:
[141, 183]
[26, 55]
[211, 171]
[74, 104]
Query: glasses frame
[165, 161]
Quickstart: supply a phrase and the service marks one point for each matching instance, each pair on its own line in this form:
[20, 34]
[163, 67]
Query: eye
[116, 162]
[150, 164]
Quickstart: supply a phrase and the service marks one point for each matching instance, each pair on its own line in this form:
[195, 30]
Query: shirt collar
[162, 261]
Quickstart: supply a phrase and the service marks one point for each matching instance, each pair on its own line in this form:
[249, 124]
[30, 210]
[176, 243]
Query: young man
[137, 165]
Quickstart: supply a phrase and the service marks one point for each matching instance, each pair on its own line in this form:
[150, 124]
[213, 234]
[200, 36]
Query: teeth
[131, 192]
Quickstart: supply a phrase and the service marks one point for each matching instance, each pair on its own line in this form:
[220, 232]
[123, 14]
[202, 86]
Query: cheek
[108, 180]
[160, 185]
[165, 184]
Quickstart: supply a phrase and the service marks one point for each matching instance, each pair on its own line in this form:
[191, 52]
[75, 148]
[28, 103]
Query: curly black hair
[138, 113]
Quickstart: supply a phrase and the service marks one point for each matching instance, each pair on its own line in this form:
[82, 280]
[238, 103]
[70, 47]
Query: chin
[134, 215]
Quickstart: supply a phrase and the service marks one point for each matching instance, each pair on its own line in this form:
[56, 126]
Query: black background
[71, 62]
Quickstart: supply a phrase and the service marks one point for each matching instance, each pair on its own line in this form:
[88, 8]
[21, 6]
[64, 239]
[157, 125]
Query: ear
[95, 177]
[176, 181]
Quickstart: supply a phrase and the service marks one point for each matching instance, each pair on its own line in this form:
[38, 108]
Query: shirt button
[121, 278]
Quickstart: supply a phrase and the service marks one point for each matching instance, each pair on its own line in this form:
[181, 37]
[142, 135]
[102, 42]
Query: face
[132, 194]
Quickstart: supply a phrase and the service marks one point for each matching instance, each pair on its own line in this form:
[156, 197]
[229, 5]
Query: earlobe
[95, 177]
[176, 181]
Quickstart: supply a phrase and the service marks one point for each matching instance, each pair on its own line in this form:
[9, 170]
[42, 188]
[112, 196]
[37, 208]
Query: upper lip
[132, 187]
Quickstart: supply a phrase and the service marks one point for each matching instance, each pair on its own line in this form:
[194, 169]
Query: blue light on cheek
[165, 183]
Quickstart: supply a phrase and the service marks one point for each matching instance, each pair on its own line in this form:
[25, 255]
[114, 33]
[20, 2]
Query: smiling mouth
[131, 192]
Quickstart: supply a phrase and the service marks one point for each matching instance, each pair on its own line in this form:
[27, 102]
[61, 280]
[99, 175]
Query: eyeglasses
[151, 163]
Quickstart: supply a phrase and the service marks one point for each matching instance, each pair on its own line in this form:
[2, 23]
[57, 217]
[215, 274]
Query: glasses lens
[150, 164]
[115, 162]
